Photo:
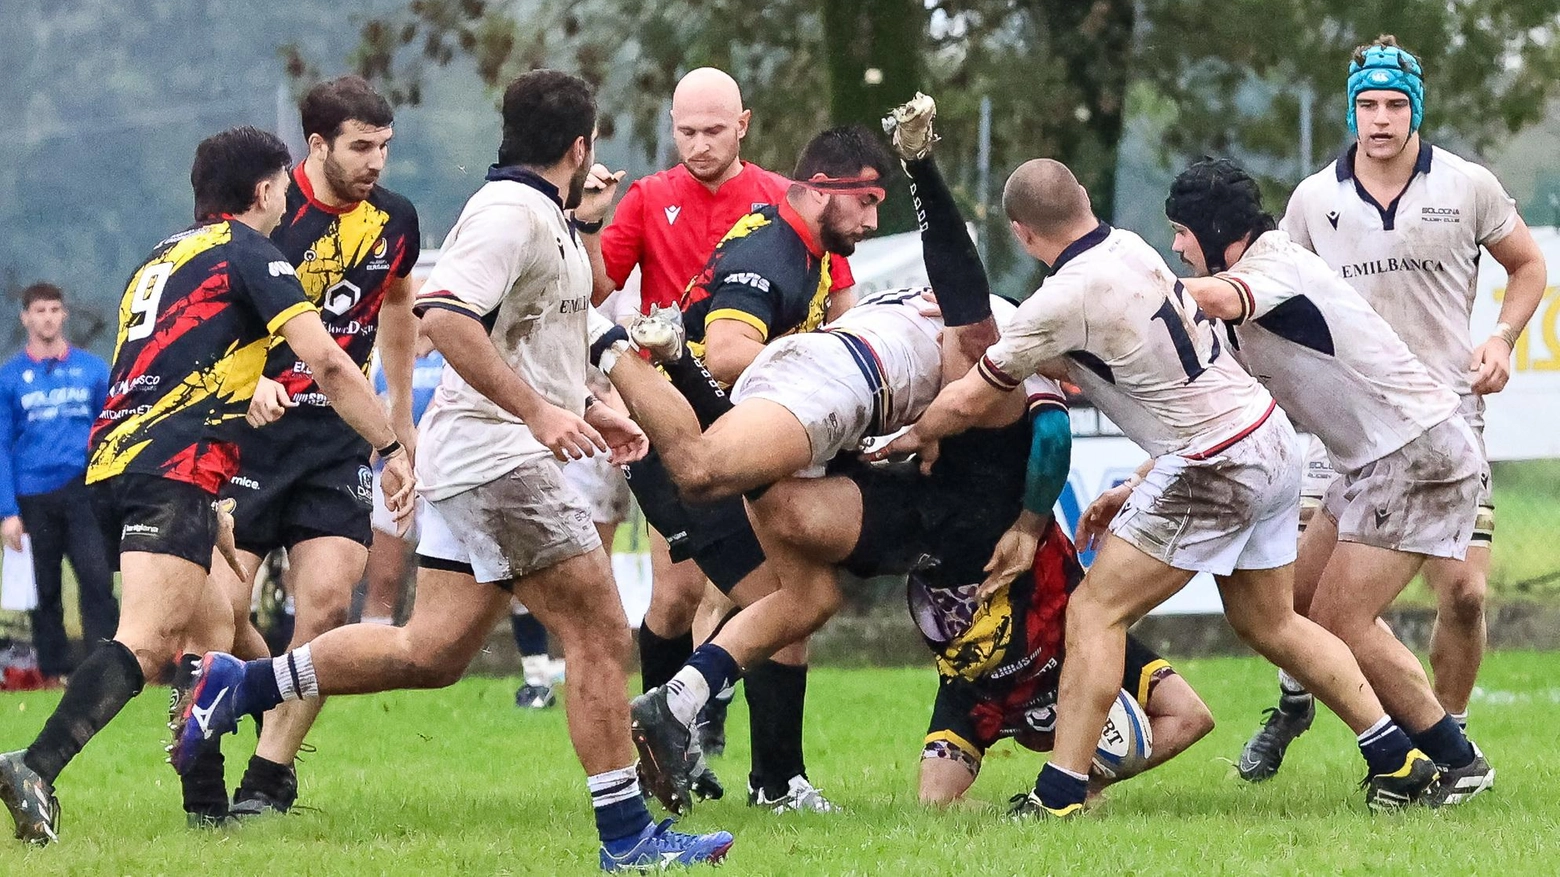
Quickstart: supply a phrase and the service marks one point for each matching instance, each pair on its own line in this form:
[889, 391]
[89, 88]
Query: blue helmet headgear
[1387, 68]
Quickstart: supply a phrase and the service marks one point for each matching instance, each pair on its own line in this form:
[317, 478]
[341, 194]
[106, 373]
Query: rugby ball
[1126, 743]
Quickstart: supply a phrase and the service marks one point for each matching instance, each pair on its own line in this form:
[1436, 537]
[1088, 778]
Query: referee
[50, 393]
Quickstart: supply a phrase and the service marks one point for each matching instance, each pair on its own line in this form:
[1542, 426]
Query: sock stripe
[292, 669]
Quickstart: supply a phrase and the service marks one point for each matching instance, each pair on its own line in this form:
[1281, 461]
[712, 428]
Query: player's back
[1135, 342]
[1332, 362]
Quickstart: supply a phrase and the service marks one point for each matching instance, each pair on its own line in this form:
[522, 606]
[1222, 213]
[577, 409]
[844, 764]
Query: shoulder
[90, 359]
[760, 242]
[1461, 168]
[1316, 185]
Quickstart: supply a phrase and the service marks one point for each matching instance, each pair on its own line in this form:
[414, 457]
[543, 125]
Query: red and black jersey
[194, 327]
[345, 258]
[1008, 649]
[768, 272]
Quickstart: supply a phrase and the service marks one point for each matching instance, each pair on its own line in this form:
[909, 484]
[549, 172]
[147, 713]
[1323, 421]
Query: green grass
[460, 782]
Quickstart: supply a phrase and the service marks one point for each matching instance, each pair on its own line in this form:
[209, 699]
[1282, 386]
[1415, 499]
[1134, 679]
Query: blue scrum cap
[1387, 68]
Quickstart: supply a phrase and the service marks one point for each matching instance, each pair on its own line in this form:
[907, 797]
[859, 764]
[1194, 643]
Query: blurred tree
[1226, 77]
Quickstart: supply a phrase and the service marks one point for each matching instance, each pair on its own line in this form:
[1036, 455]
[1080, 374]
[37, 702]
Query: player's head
[241, 171]
[43, 312]
[1047, 208]
[550, 122]
[708, 122]
[349, 129]
[1386, 97]
[1215, 208]
[838, 183]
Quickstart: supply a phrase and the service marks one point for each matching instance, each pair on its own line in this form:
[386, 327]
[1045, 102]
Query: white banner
[1522, 422]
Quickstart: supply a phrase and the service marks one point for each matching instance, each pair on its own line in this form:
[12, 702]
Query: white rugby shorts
[1236, 508]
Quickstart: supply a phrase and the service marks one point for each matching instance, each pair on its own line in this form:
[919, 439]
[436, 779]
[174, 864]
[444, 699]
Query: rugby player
[768, 277]
[305, 484]
[668, 224]
[1220, 494]
[1404, 223]
[1411, 467]
[804, 399]
[507, 305]
[195, 324]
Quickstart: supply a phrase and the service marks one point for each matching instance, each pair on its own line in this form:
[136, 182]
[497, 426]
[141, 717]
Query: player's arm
[616, 247]
[350, 393]
[398, 355]
[1527, 274]
[730, 346]
[1220, 297]
[1045, 474]
[10, 514]
[1048, 324]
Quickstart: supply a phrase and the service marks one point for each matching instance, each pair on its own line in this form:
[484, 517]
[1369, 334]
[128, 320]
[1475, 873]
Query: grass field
[461, 782]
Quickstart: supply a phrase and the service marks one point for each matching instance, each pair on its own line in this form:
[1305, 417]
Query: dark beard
[832, 239]
[576, 191]
[338, 182]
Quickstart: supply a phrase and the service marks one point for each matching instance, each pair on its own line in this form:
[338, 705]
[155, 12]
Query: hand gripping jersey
[1137, 345]
[767, 272]
[345, 257]
[194, 327]
[669, 223]
[902, 342]
[1333, 363]
[1415, 260]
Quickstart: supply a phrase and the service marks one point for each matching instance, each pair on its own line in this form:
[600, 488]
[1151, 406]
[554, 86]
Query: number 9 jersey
[194, 327]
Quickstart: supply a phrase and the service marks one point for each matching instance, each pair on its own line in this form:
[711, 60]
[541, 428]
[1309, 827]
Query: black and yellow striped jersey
[345, 259]
[194, 327]
[768, 271]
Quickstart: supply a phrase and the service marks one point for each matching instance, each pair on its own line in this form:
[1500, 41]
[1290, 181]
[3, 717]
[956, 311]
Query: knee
[318, 619]
[433, 669]
[594, 642]
[1462, 597]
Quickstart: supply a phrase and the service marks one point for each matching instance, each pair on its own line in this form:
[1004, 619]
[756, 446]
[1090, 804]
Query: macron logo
[671, 215]
[1332, 217]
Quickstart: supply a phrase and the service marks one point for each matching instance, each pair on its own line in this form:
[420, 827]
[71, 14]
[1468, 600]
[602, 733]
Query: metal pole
[1307, 105]
[983, 176]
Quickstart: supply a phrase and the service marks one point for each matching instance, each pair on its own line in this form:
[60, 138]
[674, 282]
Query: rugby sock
[204, 784]
[97, 691]
[537, 670]
[294, 675]
[386, 620]
[530, 635]
[776, 694]
[1384, 746]
[700, 388]
[660, 658]
[1445, 743]
[621, 815]
[953, 266]
[1461, 719]
[1059, 788]
[279, 782]
[710, 669]
[1293, 699]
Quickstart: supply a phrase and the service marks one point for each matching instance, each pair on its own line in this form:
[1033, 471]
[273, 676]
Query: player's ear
[319, 147]
[742, 123]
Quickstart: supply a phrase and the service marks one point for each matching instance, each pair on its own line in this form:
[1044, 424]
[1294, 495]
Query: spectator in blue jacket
[50, 394]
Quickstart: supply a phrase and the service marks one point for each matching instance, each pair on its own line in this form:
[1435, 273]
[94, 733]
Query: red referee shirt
[668, 223]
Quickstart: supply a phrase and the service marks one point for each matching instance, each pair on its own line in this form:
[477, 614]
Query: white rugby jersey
[1334, 364]
[1136, 343]
[1416, 260]
[513, 262]
[904, 340]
